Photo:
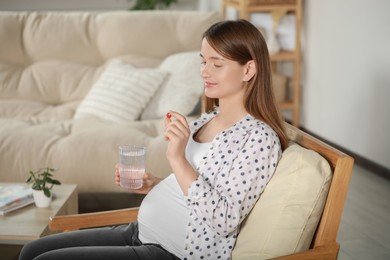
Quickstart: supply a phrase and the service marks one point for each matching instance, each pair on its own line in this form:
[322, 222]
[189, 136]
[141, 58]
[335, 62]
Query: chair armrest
[328, 252]
[89, 220]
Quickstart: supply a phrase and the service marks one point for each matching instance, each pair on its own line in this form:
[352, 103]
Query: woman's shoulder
[251, 123]
[203, 118]
[257, 127]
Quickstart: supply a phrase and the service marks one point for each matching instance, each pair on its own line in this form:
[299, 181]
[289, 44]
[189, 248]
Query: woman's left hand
[177, 133]
[149, 181]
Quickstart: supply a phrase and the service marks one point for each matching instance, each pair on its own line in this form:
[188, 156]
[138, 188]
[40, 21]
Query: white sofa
[65, 76]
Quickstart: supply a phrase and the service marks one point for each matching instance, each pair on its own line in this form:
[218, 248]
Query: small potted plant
[42, 183]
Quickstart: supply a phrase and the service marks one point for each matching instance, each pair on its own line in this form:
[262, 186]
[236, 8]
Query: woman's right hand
[149, 181]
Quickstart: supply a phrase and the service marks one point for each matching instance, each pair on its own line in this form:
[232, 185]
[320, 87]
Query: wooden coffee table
[29, 223]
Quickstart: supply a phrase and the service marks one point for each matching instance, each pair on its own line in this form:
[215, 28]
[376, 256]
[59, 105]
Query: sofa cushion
[181, 90]
[37, 111]
[285, 218]
[121, 93]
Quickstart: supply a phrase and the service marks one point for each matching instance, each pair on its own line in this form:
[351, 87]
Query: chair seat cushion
[286, 216]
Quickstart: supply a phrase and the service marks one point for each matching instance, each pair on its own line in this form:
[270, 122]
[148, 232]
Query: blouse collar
[240, 126]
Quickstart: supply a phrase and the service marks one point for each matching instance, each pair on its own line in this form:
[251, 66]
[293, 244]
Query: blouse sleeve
[239, 180]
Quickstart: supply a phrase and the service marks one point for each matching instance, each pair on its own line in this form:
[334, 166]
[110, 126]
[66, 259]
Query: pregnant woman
[221, 164]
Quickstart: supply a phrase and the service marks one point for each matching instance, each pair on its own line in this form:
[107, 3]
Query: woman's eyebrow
[212, 58]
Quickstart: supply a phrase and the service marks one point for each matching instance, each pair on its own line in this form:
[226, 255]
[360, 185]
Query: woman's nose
[204, 73]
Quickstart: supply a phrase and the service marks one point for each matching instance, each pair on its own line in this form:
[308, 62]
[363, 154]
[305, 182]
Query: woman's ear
[250, 70]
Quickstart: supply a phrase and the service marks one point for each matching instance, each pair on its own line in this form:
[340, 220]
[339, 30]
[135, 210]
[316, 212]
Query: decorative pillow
[181, 90]
[121, 93]
[286, 216]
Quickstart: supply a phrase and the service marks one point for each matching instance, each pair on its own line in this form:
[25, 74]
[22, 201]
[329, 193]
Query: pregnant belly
[163, 216]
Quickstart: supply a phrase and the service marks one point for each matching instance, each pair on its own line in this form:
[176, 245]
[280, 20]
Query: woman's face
[223, 78]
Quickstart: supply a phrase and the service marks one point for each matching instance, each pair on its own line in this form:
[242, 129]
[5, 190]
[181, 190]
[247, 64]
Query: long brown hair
[241, 41]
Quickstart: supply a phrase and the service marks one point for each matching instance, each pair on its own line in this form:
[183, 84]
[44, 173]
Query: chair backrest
[300, 210]
[341, 165]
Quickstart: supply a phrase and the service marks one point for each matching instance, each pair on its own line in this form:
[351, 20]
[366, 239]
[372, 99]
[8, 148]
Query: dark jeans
[101, 243]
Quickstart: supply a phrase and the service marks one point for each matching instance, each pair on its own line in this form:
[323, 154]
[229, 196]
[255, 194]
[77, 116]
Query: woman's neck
[230, 114]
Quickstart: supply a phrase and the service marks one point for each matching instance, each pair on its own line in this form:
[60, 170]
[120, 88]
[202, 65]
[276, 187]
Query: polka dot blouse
[232, 175]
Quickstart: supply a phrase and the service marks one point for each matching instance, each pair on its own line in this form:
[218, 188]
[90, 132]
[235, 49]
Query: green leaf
[36, 186]
[56, 182]
[47, 192]
[151, 4]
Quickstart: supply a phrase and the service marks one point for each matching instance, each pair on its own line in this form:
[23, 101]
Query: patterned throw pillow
[121, 93]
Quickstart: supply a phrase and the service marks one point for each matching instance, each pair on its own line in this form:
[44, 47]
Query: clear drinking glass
[131, 166]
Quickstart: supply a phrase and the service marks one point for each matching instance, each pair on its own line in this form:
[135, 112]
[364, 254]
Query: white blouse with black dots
[240, 162]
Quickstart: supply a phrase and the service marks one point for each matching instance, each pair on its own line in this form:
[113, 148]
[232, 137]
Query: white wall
[64, 5]
[347, 75]
[75, 5]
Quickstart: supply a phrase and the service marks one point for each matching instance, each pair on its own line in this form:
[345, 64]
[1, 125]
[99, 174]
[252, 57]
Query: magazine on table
[14, 196]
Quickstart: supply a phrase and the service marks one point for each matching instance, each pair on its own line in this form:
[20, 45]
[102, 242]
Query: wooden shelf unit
[245, 8]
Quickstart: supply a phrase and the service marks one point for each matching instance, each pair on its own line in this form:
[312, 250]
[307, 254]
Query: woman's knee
[36, 247]
[31, 250]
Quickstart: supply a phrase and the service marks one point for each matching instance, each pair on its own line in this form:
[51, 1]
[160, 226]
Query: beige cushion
[37, 111]
[121, 93]
[182, 88]
[285, 218]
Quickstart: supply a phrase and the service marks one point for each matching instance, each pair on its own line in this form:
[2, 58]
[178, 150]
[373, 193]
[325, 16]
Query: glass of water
[131, 166]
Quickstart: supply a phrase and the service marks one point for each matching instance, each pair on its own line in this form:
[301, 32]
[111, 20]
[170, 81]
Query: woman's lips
[209, 84]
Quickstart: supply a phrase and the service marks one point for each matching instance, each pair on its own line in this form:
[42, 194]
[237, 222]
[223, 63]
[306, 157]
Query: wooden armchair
[324, 244]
